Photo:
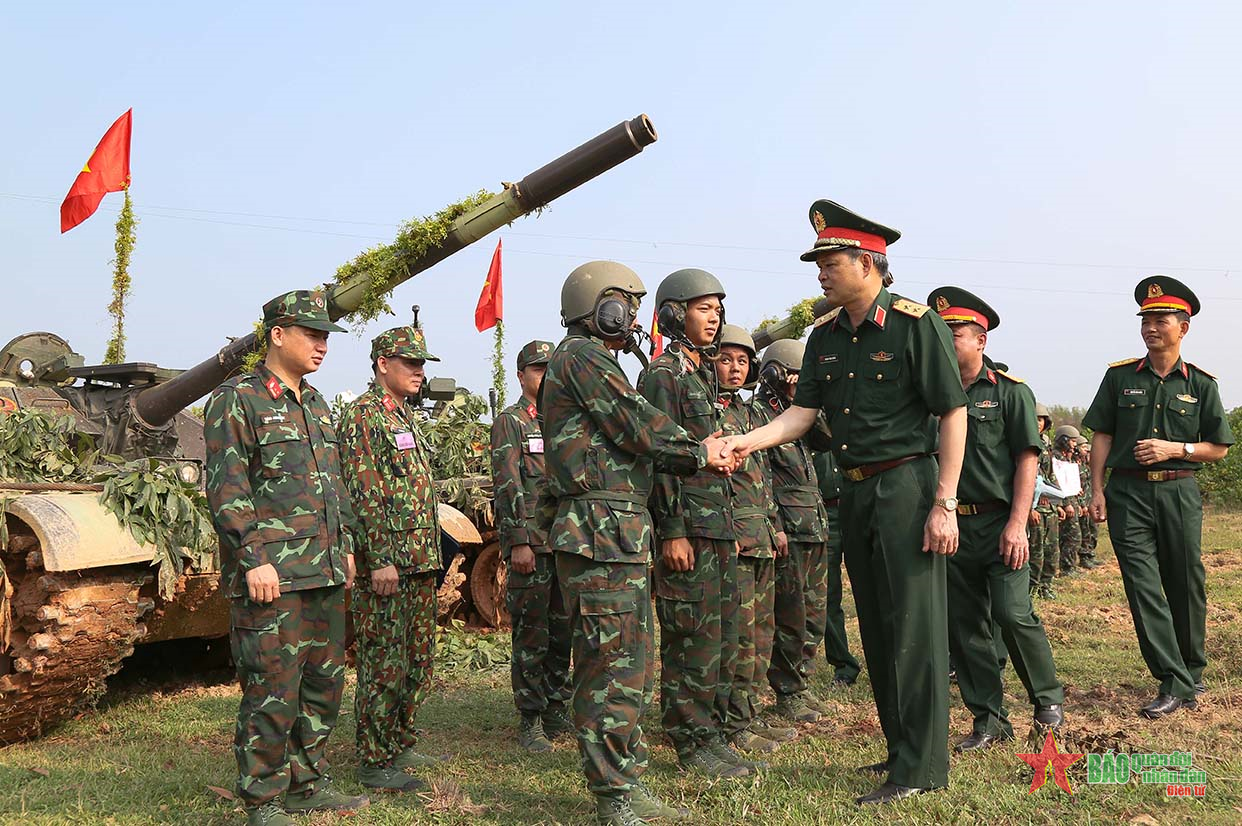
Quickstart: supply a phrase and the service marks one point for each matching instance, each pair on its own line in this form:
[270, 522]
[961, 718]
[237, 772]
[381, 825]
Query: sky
[1045, 156]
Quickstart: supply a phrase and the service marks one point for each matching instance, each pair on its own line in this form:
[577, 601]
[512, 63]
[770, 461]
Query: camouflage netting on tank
[800, 316]
[148, 498]
[461, 448]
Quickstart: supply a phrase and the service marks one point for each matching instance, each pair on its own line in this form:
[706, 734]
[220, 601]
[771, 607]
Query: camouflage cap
[535, 352]
[406, 342]
[300, 308]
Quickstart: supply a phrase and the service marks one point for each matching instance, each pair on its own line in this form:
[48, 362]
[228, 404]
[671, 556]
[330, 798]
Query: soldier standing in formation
[836, 644]
[388, 474]
[603, 440]
[879, 366]
[541, 644]
[802, 534]
[1090, 530]
[286, 552]
[988, 578]
[1156, 419]
[1044, 532]
[1074, 506]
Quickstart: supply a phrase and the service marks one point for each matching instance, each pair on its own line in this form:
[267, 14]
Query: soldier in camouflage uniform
[695, 574]
[286, 553]
[1044, 532]
[1090, 530]
[603, 440]
[541, 642]
[836, 644]
[1064, 449]
[388, 473]
[802, 573]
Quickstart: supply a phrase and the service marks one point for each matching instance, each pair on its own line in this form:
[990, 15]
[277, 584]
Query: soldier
[695, 575]
[602, 439]
[836, 644]
[1045, 531]
[754, 513]
[1090, 530]
[1156, 419]
[879, 366]
[802, 533]
[286, 553]
[541, 643]
[388, 473]
[988, 578]
[1070, 531]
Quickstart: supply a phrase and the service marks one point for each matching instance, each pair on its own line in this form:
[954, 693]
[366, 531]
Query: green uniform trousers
[836, 644]
[755, 593]
[290, 660]
[609, 605]
[541, 641]
[698, 642]
[899, 592]
[1156, 529]
[1045, 541]
[1071, 543]
[394, 652]
[795, 611]
[1090, 537]
[986, 594]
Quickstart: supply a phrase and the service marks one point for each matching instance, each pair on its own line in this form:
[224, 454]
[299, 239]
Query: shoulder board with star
[1011, 378]
[911, 308]
[1123, 362]
[826, 317]
[1211, 376]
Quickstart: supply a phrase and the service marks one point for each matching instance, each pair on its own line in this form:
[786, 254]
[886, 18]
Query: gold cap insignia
[817, 218]
[942, 303]
[1154, 291]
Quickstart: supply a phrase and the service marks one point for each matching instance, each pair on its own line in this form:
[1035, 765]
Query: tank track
[70, 632]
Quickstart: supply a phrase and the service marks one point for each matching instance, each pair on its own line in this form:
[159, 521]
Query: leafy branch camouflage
[460, 448]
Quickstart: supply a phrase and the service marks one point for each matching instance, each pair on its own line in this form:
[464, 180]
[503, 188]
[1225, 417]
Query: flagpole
[126, 236]
[498, 364]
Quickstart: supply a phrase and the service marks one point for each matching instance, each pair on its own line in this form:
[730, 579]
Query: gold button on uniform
[879, 376]
[846, 411]
[851, 375]
[845, 447]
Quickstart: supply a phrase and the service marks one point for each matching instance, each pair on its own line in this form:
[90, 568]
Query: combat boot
[324, 798]
[615, 811]
[793, 707]
[530, 734]
[388, 779]
[410, 759]
[777, 734]
[556, 721]
[647, 806]
[705, 762]
[722, 750]
[269, 814]
[1046, 591]
[748, 741]
[816, 703]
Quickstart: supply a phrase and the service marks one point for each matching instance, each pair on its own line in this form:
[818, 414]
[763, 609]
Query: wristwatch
[1188, 450]
[949, 503]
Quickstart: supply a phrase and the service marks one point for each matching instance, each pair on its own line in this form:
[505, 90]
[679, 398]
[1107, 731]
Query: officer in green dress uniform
[880, 366]
[1156, 419]
[989, 579]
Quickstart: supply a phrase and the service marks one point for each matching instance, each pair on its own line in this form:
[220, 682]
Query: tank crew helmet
[604, 296]
[779, 360]
[1067, 434]
[673, 294]
[732, 335]
[1042, 412]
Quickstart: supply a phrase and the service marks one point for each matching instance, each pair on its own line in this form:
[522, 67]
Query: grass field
[158, 750]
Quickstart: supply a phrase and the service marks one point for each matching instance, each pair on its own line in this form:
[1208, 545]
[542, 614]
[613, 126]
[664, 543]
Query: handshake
[725, 454]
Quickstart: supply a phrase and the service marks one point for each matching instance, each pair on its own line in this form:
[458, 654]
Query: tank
[786, 327]
[82, 589]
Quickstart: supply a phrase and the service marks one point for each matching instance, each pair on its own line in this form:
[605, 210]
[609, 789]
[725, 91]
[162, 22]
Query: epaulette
[911, 308]
[826, 317]
[1011, 378]
[1211, 376]
[1123, 362]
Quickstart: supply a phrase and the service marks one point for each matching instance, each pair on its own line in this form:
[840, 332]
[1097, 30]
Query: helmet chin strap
[633, 344]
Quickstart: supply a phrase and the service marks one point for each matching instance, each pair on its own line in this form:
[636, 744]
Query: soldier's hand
[678, 554]
[782, 544]
[1015, 548]
[1033, 519]
[263, 583]
[940, 531]
[384, 580]
[719, 458]
[1150, 451]
[1060, 512]
[1099, 508]
[350, 571]
[522, 559]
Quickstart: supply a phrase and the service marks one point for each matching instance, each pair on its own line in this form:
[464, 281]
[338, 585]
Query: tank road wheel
[70, 631]
[488, 580]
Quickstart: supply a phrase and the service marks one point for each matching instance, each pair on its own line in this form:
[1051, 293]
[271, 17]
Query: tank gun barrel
[157, 405]
[785, 327]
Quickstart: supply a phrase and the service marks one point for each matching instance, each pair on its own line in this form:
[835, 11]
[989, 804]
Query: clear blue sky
[1044, 155]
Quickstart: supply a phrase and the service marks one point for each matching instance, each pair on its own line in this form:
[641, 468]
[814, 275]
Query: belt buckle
[966, 510]
[1155, 476]
[854, 474]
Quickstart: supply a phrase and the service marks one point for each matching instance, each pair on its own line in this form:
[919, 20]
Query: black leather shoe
[1165, 704]
[888, 793]
[1200, 688]
[841, 681]
[873, 768]
[978, 741]
[1049, 716]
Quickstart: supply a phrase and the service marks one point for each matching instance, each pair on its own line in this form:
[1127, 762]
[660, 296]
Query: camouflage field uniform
[754, 514]
[1089, 529]
[1070, 539]
[541, 639]
[801, 577]
[1045, 538]
[836, 644]
[273, 483]
[602, 438]
[697, 608]
[388, 474]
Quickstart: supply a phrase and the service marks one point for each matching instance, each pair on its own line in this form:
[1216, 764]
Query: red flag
[106, 171]
[490, 308]
[657, 340]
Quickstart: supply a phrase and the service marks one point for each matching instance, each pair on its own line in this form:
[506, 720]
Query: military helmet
[787, 352]
[582, 289]
[686, 284]
[1068, 432]
[735, 336]
[1042, 412]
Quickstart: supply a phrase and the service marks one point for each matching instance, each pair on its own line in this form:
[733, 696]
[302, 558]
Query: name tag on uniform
[535, 444]
[405, 441]
[1134, 391]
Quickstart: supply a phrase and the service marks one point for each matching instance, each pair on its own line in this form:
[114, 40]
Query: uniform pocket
[290, 543]
[985, 426]
[254, 637]
[679, 604]
[1182, 421]
[609, 620]
[282, 450]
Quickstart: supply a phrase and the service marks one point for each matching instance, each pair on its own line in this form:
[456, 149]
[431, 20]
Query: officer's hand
[1099, 508]
[782, 544]
[678, 554]
[350, 571]
[1015, 549]
[1034, 517]
[263, 583]
[736, 446]
[940, 531]
[384, 580]
[1150, 451]
[522, 559]
[719, 458]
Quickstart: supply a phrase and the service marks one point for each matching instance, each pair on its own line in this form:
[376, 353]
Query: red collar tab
[879, 315]
[960, 315]
[390, 404]
[845, 237]
[1142, 363]
[273, 387]
[991, 375]
[1185, 371]
[531, 411]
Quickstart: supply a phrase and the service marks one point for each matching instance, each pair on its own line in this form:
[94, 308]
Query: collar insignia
[273, 387]
[531, 411]
[389, 404]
